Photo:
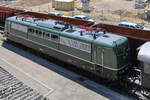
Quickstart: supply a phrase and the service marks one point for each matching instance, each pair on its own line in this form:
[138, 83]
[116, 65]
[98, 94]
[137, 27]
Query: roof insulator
[81, 33]
[104, 32]
[94, 36]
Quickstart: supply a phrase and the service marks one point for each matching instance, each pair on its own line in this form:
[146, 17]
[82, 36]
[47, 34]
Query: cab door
[99, 59]
[99, 55]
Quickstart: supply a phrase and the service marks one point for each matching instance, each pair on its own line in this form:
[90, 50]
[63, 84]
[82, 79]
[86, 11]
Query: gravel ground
[13, 89]
[102, 11]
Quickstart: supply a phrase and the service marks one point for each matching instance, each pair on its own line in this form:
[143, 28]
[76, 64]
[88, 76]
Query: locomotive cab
[113, 59]
[144, 58]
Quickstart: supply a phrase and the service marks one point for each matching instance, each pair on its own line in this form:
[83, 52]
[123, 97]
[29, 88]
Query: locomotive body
[93, 49]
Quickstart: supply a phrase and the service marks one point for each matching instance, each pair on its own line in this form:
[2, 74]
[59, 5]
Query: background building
[63, 4]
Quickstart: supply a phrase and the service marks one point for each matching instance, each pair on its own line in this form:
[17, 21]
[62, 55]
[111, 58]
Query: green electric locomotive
[93, 49]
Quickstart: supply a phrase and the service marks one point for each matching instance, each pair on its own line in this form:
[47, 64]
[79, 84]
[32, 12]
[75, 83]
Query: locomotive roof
[101, 37]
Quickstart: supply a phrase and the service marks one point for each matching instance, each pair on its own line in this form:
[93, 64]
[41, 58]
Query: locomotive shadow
[101, 90]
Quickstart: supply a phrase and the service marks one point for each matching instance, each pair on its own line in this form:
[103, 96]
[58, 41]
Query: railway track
[13, 89]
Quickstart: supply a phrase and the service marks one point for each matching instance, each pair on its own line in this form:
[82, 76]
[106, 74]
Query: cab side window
[47, 36]
[55, 37]
[33, 31]
[36, 32]
[44, 34]
[40, 34]
[29, 30]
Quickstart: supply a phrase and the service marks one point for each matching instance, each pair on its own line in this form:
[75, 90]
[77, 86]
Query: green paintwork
[19, 33]
[42, 41]
[75, 52]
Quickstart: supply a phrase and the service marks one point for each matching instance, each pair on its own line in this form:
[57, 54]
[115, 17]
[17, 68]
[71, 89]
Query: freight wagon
[93, 49]
[4, 15]
[7, 12]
